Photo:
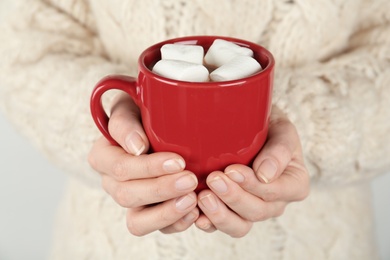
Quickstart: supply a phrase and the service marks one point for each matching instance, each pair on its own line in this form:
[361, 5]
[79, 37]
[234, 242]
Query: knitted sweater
[332, 79]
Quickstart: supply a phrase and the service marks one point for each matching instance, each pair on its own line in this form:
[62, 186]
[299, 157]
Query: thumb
[125, 125]
[279, 149]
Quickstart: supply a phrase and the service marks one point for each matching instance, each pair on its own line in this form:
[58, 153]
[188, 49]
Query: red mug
[211, 124]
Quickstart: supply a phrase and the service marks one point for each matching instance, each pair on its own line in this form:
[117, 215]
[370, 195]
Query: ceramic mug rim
[210, 84]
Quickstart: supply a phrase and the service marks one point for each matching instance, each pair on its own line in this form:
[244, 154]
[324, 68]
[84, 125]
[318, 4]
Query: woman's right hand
[156, 190]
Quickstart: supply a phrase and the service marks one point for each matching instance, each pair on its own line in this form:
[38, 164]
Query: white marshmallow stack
[183, 52]
[221, 52]
[237, 68]
[181, 70]
[185, 62]
[182, 62]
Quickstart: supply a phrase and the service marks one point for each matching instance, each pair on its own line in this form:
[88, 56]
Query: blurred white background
[30, 189]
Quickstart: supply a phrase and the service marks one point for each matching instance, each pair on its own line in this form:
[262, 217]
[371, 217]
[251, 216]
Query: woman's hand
[155, 188]
[240, 196]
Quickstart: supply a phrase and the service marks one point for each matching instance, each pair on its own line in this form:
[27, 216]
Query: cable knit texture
[332, 79]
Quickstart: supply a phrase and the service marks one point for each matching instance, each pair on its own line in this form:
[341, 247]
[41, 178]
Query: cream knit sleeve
[50, 61]
[341, 106]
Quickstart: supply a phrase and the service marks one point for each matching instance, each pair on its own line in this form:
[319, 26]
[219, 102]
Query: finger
[282, 144]
[131, 194]
[144, 220]
[247, 205]
[205, 224]
[221, 216]
[115, 162]
[292, 185]
[183, 223]
[125, 125]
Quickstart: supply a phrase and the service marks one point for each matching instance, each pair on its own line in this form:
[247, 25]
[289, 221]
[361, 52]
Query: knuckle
[120, 197]
[119, 169]
[282, 150]
[279, 211]
[124, 198]
[241, 232]
[304, 193]
[104, 184]
[284, 123]
[92, 161]
[257, 215]
[133, 227]
[304, 190]
[270, 195]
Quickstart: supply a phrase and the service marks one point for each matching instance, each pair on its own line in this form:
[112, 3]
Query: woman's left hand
[240, 195]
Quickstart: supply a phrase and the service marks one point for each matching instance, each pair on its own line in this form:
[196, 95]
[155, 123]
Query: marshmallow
[221, 52]
[183, 52]
[181, 70]
[237, 68]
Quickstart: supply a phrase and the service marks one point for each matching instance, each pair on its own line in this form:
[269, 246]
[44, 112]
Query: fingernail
[218, 185]
[134, 143]
[185, 202]
[209, 202]
[190, 217]
[267, 170]
[186, 182]
[236, 176]
[204, 226]
[174, 165]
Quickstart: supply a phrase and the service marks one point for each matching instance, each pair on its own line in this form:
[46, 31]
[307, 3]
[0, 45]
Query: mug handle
[120, 82]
